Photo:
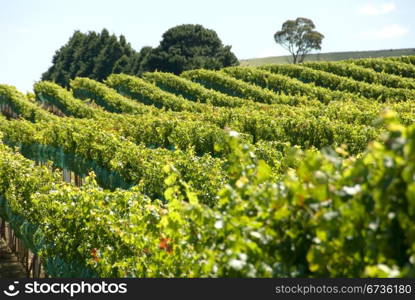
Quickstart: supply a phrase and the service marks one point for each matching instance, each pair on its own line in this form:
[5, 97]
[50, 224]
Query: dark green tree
[299, 37]
[187, 47]
[93, 55]
[139, 63]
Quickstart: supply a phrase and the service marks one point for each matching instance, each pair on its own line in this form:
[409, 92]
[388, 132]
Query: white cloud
[371, 9]
[387, 32]
[391, 31]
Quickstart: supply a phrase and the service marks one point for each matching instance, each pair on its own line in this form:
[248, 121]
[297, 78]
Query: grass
[332, 56]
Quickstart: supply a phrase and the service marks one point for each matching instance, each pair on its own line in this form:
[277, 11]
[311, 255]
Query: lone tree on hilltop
[187, 47]
[93, 55]
[299, 37]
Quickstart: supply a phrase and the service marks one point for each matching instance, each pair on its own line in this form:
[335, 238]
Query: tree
[299, 37]
[93, 55]
[140, 63]
[187, 47]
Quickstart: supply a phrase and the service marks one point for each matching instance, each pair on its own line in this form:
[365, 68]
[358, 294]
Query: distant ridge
[330, 56]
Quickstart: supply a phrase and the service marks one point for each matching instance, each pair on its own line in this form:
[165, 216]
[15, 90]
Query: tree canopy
[93, 55]
[97, 55]
[299, 38]
[187, 47]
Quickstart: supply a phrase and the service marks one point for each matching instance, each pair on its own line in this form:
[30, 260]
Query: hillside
[331, 56]
[273, 171]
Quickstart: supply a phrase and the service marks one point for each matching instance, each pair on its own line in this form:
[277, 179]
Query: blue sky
[32, 30]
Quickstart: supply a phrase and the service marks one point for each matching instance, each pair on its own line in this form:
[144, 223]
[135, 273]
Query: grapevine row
[155, 130]
[387, 66]
[284, 84]
[300, 226]
[193, 91]
[18, 103]
[135, 163]
[158, 131]
[148, 93]
[339, 83]
[226, 84]
[295, 127]
[204, 137]
[362, 74]
[404, 59]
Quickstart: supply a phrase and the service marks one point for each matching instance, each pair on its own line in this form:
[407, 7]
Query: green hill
[331, 56]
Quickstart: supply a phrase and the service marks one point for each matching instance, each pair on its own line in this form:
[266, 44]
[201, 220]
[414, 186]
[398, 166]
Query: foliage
[225, 177]
[187, 47]
[331, 217]
[363, 74]
[405, 59]
[284, 84]
[262, 124]
[387, 66]
[10, 96]
[192, 91]
[93, 55]
[237, 88]
[338, 83]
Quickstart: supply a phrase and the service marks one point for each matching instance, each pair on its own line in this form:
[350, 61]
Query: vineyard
[273, 171]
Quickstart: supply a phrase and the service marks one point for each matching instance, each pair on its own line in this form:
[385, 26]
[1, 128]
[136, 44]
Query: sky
[32, 30]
